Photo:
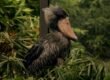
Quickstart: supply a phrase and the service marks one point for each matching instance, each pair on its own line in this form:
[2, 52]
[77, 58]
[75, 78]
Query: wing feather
[33, 54]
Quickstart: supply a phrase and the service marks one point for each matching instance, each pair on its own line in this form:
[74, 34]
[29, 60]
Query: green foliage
[19, 24]
[11, 65]
[35, 5]
[18, 31]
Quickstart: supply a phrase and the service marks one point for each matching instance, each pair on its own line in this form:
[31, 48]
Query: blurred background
[90, 55]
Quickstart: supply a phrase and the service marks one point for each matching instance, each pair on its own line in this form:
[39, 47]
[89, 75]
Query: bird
[52, 49]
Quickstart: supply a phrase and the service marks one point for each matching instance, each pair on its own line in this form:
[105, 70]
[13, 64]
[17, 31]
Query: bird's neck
[59, 34]
[64, 41]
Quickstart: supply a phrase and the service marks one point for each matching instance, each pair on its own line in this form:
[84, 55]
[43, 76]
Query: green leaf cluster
[89, 58]
[19, 29]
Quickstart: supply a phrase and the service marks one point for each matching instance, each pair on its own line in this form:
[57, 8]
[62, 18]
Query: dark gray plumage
[47, 51]
[54, 46]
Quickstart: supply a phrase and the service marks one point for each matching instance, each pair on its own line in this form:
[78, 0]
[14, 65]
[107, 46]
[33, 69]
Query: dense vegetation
[89, 58]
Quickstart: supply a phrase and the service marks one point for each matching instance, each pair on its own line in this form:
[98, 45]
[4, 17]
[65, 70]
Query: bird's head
[57, 20]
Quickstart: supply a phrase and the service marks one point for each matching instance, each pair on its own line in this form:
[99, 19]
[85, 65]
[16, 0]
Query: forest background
[90, 55]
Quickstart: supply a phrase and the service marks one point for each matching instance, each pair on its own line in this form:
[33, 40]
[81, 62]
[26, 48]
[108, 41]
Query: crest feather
[49, 12]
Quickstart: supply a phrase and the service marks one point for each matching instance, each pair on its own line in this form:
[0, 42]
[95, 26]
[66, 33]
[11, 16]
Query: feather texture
[46, 52]
[54, 47]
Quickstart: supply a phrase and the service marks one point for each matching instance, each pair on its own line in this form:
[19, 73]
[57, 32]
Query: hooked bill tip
[75, 38]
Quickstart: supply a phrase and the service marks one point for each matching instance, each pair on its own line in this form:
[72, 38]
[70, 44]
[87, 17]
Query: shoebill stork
[55, 46]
